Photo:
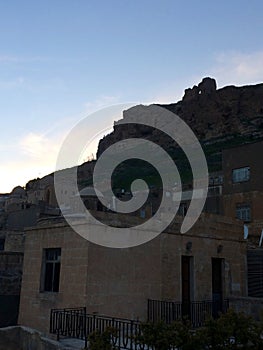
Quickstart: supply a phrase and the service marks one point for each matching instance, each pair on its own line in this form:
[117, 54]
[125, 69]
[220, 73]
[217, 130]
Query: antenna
[245, 231]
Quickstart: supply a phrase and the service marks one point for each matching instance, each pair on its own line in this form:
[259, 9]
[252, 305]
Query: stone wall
[250, 306]
[21, 218]
[22, 338]
[11, 265]
[14, 241]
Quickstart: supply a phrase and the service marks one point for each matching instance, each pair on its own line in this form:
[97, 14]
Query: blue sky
[61, 60]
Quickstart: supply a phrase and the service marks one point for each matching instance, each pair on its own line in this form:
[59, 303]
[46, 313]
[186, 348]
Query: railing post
[94, 322]
[132, 335]
[51, 321]
[85, 327]
[148, 310]
[58, 325]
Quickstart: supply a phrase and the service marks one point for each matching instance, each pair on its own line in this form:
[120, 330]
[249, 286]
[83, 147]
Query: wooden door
[186, 285]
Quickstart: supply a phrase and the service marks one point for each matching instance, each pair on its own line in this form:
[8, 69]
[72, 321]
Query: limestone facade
[118, 282]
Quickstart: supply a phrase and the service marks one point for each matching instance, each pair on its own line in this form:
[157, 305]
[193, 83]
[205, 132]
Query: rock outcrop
[211, 113]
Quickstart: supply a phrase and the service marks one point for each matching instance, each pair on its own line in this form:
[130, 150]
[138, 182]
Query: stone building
[16, 213]
[242, 199]
[11, 265]
[243, 186]
[41, 190]
[62, 269]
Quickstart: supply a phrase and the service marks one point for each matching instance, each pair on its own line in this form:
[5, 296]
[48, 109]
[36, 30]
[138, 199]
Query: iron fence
[76, 323]
[196, 312]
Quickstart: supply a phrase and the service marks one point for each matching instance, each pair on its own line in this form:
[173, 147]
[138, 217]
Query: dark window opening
[47, 197]
[255, 273]
[2, 243]
[187, 283]
[182, 209]
[217, 286]
[51, 270]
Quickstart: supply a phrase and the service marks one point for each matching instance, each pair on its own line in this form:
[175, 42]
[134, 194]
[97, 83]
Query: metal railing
[196, 311]
[76, 323]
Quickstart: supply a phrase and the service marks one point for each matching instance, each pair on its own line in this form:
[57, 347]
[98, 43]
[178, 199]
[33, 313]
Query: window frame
[237, 174]
[243, 207]
[53, 262]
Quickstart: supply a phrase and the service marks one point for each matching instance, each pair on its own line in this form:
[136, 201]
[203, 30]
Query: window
[182, 209]
[241, 174]
[51, 270]
[255, 273]
[243, 212]
[2, 243]
[142, 213]
[187, 279]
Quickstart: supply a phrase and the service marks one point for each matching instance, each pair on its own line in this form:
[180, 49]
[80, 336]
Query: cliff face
[212, 113]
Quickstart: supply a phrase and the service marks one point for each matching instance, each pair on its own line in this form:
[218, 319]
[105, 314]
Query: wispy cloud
[11, 84]
[8, 59]
[236, 68]
[5, 58]
[229, 68]
[39, 147]
[32, 155]
[101, 102]
[35, 154]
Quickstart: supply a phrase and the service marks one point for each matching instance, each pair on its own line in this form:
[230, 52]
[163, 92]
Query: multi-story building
[243, 200]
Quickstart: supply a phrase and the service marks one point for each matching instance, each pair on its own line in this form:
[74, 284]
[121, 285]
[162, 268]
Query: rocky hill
[220, 118]
[213, 114]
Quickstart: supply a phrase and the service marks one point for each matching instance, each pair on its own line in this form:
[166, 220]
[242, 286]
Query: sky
[61, 60]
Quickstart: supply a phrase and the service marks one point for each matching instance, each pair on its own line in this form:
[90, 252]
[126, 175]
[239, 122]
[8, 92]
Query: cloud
[18, 173]
[14, 83]
[228, 68]
[236, 68]
[35, 154]
[21, 59]
[101, 102]
[8, 59]
[35, 146]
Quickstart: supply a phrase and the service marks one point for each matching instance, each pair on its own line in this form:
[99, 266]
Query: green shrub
[102, 341]
[156, 335]
[162, 336]
[231, 331]
[184, 338]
